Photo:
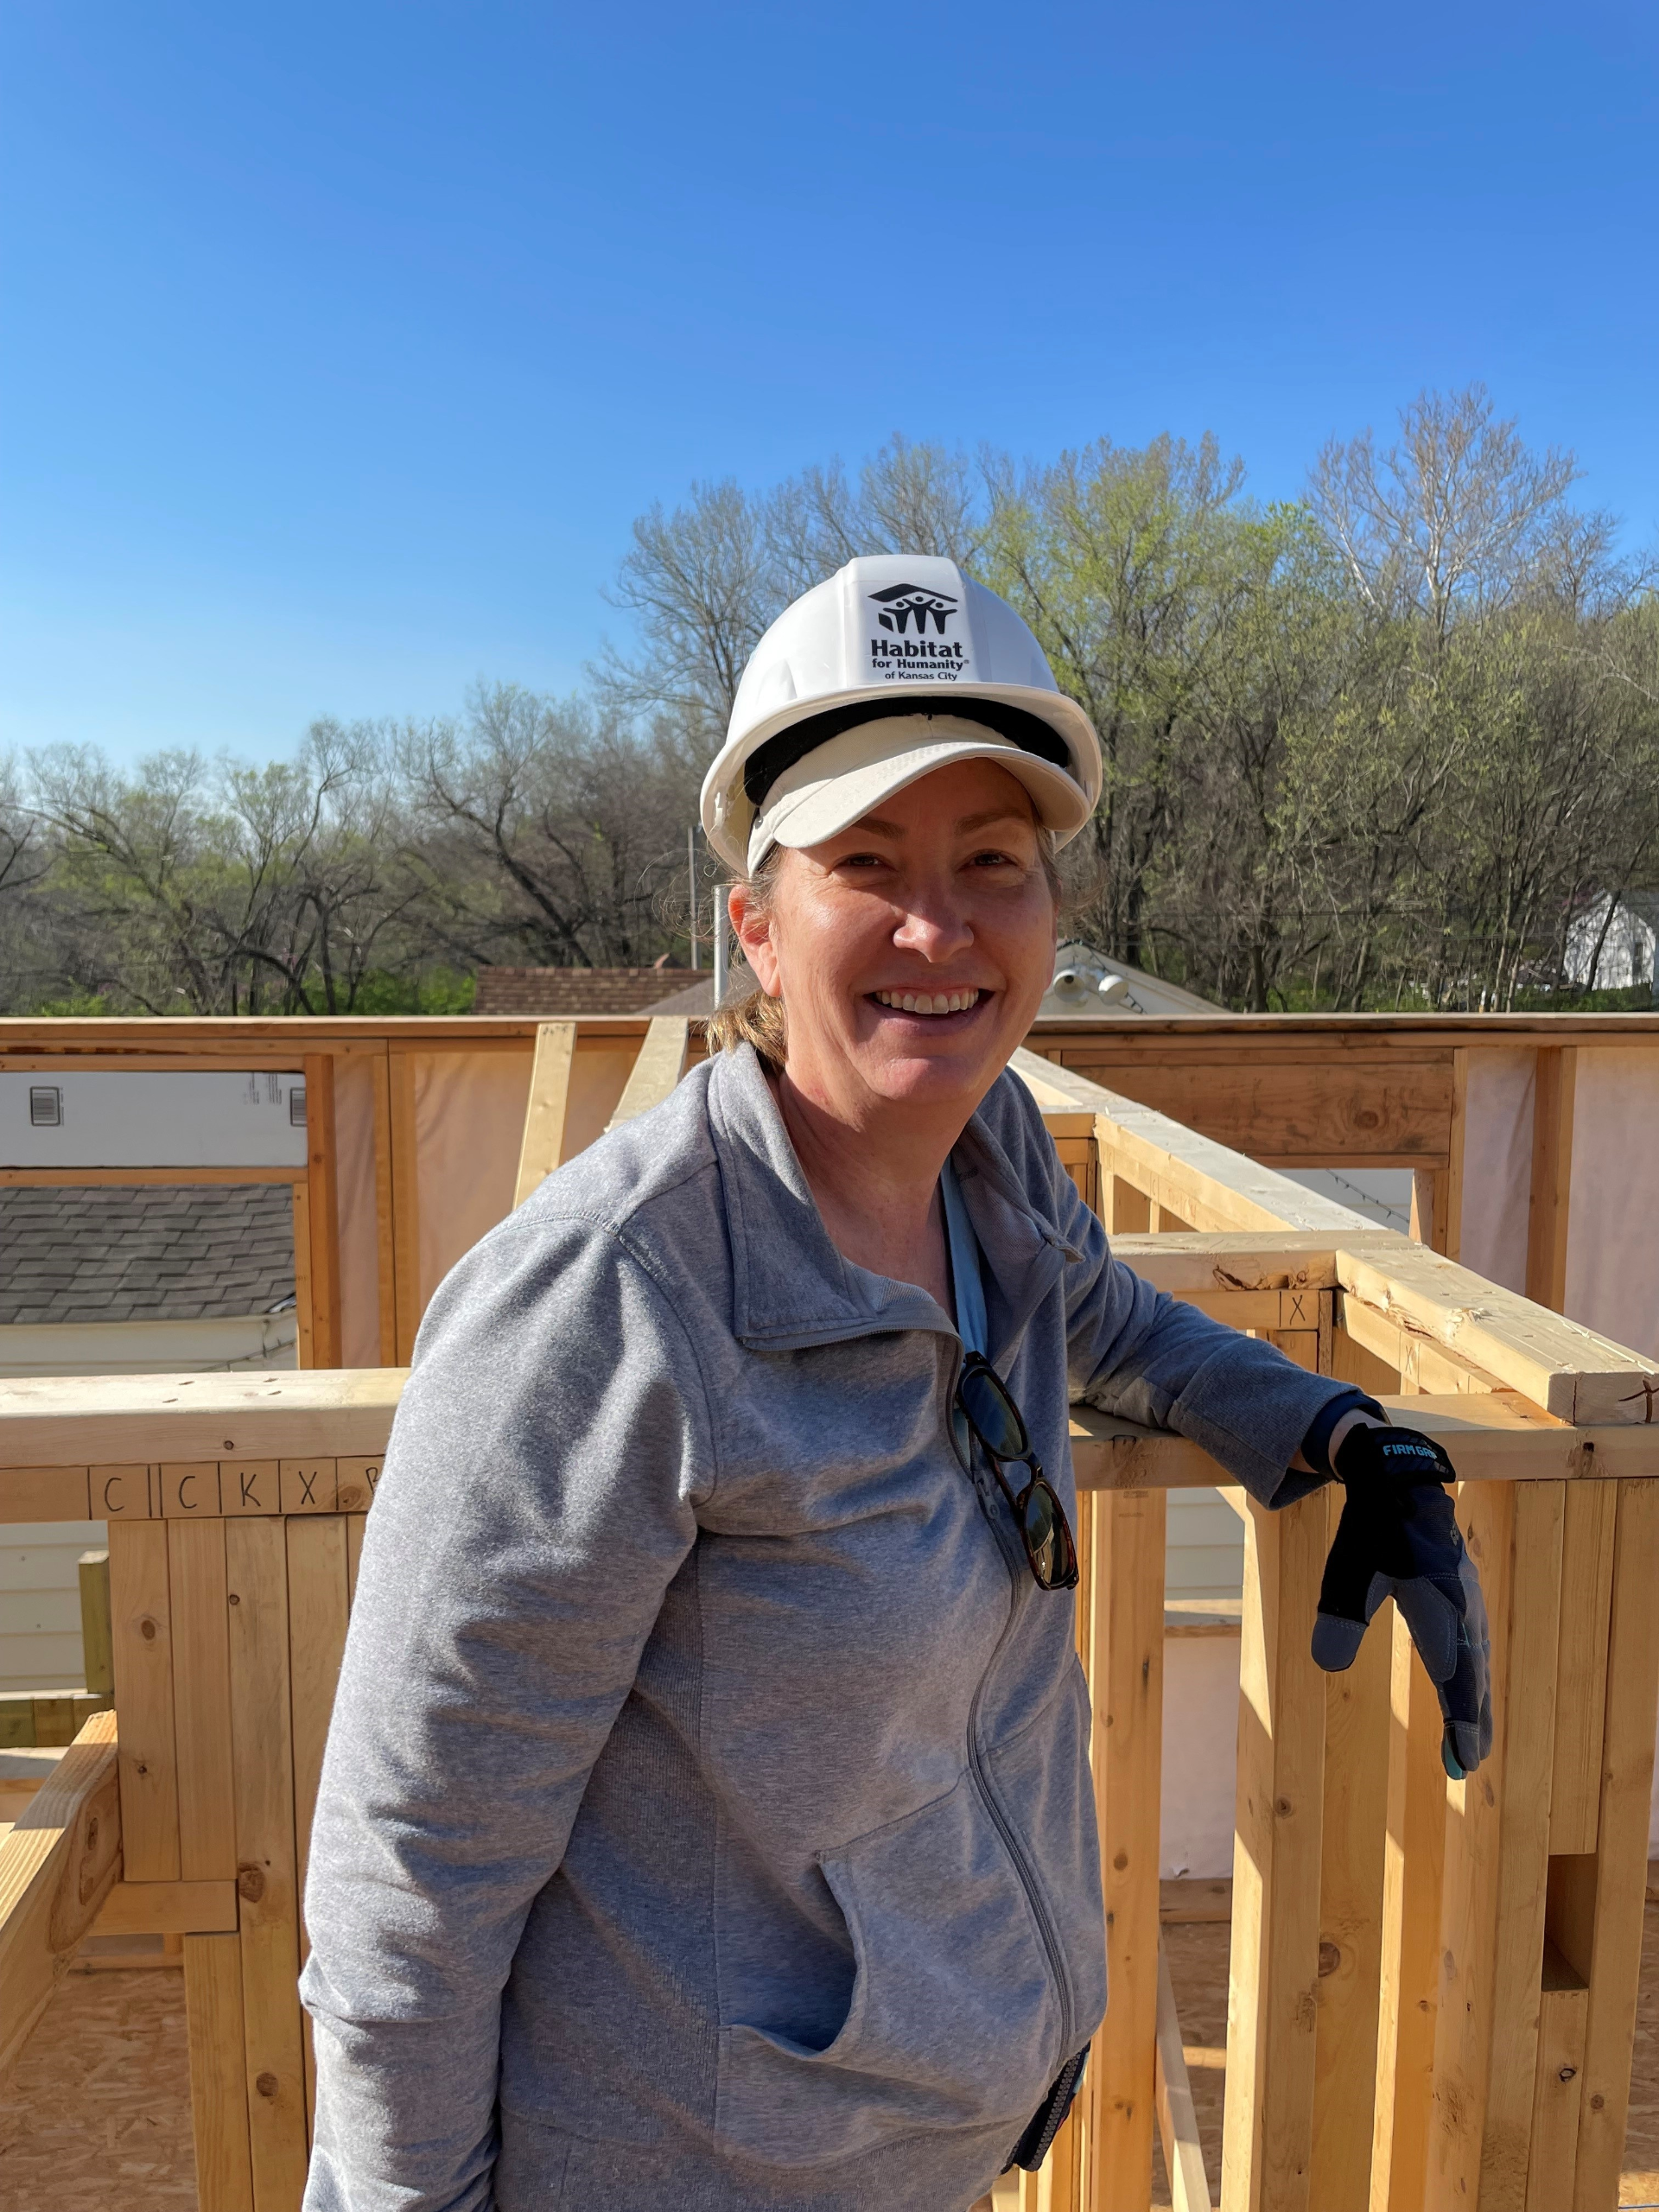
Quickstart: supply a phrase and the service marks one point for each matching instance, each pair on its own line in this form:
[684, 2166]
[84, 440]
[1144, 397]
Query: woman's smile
[934, 1004]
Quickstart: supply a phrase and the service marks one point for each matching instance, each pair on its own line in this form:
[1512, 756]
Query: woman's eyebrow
[874, 825]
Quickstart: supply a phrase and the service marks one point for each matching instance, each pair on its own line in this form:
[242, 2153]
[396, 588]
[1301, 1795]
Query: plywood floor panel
[98, 2114]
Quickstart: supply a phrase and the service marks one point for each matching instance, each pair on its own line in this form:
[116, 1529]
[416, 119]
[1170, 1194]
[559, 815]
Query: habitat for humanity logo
[901, 604]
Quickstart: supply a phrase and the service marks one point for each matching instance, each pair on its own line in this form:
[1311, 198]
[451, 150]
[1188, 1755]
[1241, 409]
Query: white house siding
[40, 1603]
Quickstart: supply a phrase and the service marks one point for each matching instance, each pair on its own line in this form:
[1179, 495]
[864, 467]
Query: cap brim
[825, 804]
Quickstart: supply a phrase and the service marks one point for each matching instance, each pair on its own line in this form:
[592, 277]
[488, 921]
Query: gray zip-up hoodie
[706, 1820]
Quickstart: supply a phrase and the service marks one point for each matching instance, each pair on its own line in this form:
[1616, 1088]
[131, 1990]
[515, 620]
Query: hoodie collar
[792, 1287]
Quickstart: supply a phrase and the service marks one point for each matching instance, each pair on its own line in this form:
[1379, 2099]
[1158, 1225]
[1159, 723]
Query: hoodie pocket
[954, 2020]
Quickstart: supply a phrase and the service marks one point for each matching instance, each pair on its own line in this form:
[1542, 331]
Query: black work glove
[1398, 1538]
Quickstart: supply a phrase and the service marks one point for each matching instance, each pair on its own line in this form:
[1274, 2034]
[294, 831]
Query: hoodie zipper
[987, 1788]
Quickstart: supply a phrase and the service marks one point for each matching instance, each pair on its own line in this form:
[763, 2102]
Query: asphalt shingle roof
[551, 992]
[210, 1252]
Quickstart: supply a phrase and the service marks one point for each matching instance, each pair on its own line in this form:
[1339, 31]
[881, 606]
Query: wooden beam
[1498, 1437]
[1200, 1183]
[96, 1647]
[1413, 1878]
[1273, 2008]
[1552, 1175]
[1581, 1666]
[659, 1068]
[385, 1256]
[218, 2089]
[1352, 1876]
[1301, 1100]
[1126, 1598]
[201, 1699]
[406, 1201]
[1263, 1260]
[168, 1909]
[543, 1147]
[269, 1918]
[322, 1209]
[1453, 1244]
[1178, 2123]
[58, 1421]
[1620, 1877]
[57, 1865]
[1574, 1372]
[281, 1419]
[141, 1604]
[1497, 1865]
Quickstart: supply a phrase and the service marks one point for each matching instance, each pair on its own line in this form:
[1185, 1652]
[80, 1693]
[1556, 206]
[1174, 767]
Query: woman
[706, 1820]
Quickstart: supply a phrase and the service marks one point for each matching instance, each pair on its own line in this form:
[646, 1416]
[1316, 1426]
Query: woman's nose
[937, 929]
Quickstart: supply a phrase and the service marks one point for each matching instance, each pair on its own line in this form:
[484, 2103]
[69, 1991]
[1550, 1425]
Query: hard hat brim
[838, 782]
[1066, 799]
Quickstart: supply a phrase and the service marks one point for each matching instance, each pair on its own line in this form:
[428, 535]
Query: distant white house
[1610, 944]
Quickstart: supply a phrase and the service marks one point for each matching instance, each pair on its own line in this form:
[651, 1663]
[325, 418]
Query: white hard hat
[896, 665]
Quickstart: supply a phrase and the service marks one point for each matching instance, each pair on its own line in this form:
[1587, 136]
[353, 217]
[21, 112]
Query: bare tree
[908, 499]
[549, 830]
[1453, 516]
[701, 583]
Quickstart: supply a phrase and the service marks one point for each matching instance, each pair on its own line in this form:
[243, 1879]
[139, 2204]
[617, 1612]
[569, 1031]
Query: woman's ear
[754, 927]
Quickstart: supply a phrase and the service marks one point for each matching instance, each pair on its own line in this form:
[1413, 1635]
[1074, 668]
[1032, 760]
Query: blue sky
[340, 345]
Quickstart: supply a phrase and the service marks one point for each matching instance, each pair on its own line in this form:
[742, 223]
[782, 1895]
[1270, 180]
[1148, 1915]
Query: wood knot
[147, 1629]
[1596, 2102]
[266, 2084]
[232, 1599]
[1283, 1806]
[251, 1881]
[230, 1444]
[91, 1832]
[1569, 2074]
[1329, 1958]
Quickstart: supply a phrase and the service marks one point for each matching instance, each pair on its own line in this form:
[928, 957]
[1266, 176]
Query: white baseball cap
[846, 776]
[894, 667]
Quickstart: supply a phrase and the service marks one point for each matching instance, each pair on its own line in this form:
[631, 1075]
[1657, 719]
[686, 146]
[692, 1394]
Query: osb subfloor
[97, 2117]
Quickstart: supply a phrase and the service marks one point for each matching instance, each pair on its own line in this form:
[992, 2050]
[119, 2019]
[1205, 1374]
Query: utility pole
[691, 881]
[721, 924]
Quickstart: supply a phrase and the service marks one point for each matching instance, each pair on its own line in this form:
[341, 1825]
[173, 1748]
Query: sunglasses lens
[1048, 1543]
[961, 1435]
[993, 1413]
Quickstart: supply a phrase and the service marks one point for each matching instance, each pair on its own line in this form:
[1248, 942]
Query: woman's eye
[994, 860]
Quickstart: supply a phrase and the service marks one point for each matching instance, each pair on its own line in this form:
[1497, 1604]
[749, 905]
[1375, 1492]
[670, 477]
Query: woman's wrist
[1336, 1421]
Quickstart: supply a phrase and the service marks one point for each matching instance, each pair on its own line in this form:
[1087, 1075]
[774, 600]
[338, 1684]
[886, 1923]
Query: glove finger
[1435, 1623]
[1348, 1569]
[1336, 1640]
[1467, 1705]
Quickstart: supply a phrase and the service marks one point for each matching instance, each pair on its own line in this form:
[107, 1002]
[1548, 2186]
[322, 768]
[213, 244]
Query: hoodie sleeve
[538, 1496]
[1137, 1352]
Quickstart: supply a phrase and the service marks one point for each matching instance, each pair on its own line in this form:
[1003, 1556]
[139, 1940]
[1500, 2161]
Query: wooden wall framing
[1288, 1090]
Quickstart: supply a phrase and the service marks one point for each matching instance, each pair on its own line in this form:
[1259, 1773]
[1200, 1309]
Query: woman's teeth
[929, 1001]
